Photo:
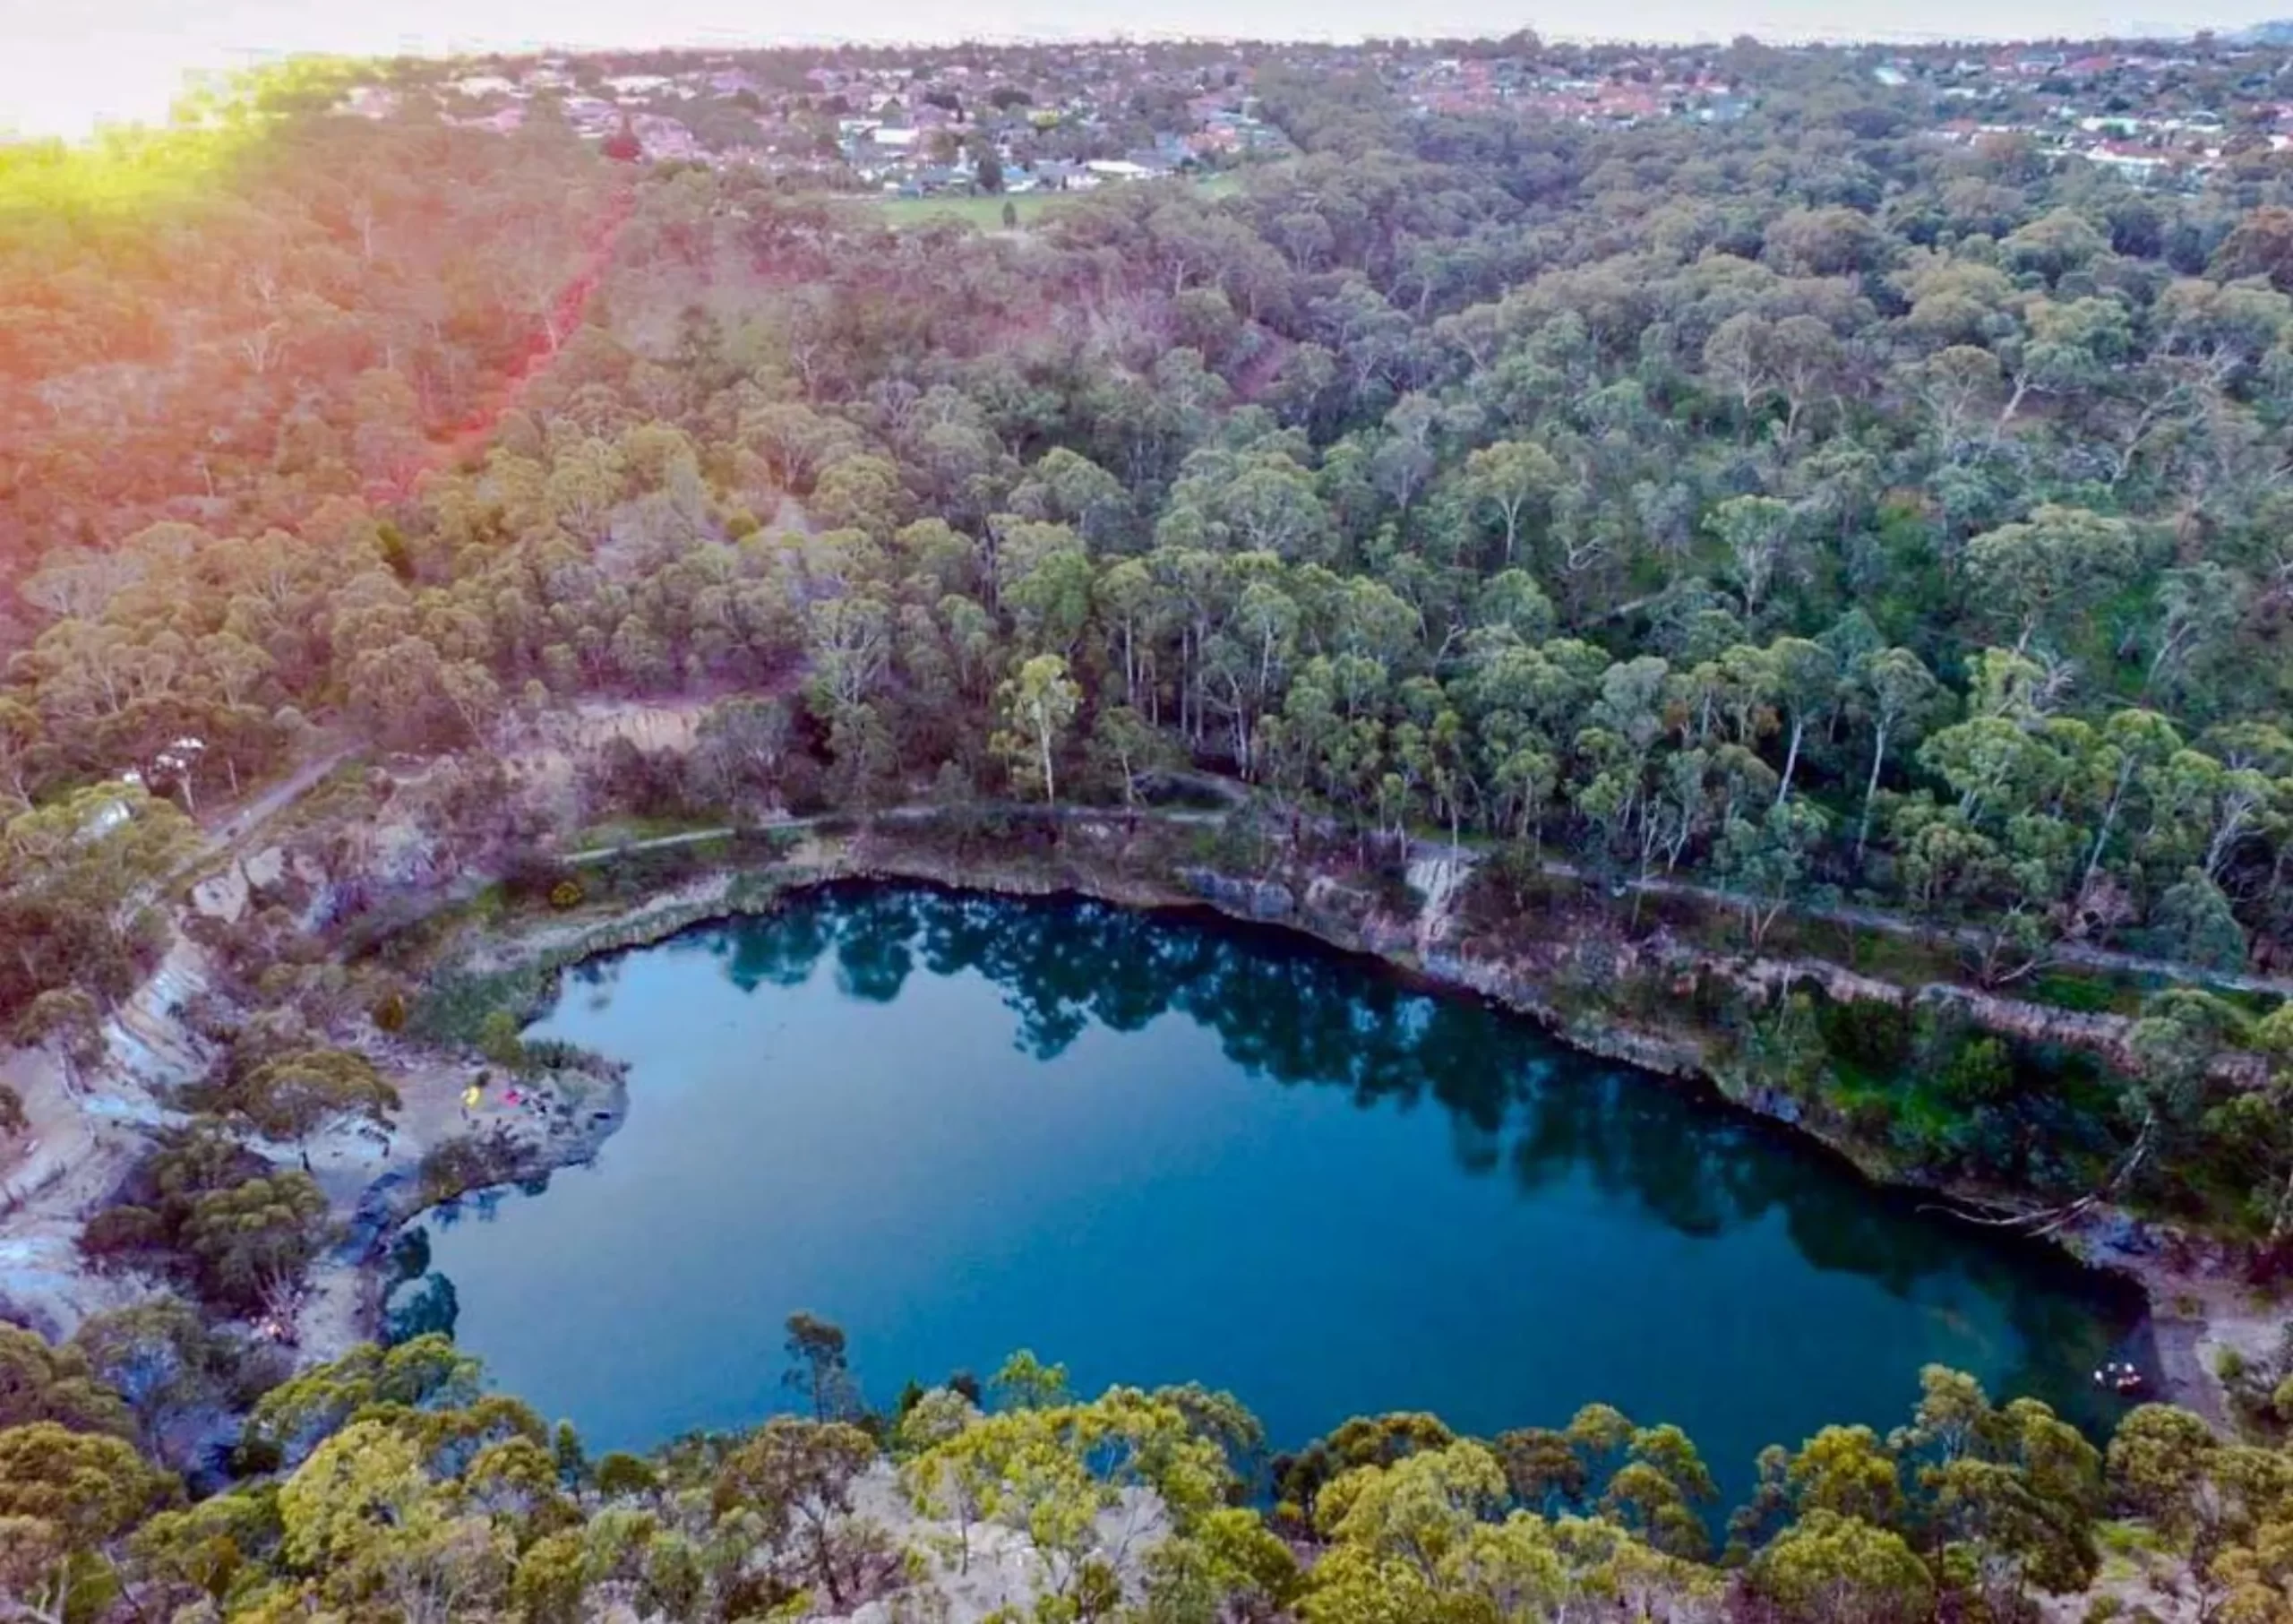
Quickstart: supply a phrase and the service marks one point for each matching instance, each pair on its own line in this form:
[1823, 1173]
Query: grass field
[986, 213]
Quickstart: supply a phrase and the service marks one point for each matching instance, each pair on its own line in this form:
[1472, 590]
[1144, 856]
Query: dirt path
[85, 1132]
[1447, 866]
[88, 1126]
[917, 813]
[230, 826]
[659, 843]
[1961, 936]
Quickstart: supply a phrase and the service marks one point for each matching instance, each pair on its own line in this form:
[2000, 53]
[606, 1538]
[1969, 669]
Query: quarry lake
[1162, 1149]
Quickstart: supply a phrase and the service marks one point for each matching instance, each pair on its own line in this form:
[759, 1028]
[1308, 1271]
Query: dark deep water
[1162, 1150]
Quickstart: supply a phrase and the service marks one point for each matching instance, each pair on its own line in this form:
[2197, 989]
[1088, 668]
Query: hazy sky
[66, 63]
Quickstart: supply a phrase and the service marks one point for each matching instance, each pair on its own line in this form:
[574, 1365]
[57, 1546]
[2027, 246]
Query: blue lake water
[1160, 1149]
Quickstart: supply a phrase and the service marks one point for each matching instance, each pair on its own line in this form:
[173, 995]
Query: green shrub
[1977, 1071]
[122, 1232]
[498, 1040]
[1871, 1117]
[390, 1012]
[456, 1166]
[2065, 990]
[1867, 1034]
[620, 1472]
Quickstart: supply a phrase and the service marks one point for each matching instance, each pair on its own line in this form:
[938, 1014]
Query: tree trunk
[2283, 1218]
[1791, 760]
[1871, 790]
[2109, 818]
[824, 1557]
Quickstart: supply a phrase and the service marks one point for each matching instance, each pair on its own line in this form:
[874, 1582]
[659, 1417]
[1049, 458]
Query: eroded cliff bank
[1635, 1001]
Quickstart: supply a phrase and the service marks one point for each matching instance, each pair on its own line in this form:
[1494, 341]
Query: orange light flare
[462, 443]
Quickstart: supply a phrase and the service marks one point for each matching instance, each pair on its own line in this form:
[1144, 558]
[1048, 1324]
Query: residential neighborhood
[1033, 117]
[2164, 113]
[1017, 121]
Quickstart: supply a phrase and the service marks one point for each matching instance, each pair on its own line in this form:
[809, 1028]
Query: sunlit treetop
[134, 167]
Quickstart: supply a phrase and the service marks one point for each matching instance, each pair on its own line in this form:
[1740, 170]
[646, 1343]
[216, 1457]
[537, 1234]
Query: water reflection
[1639, 1237]
[1298, 1015]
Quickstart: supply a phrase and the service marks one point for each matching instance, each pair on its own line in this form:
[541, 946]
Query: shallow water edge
[1161, 1148]
[534, 959]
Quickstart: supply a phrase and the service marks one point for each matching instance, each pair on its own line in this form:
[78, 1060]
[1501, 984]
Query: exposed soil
[2197, 1308]
[87, 1131]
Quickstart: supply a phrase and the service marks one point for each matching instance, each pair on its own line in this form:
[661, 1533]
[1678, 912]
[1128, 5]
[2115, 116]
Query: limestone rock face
[1265, 900]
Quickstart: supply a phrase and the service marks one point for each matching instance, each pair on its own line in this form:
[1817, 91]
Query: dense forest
[1809, 506]
[389, 1485]
[1831, 512]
